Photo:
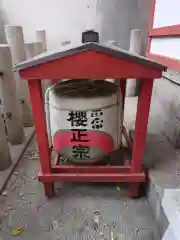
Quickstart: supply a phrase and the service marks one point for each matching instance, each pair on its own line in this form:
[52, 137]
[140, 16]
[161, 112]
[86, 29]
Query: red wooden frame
[95, 173]
[132, 174]
[173, 30]
[59, 69]
[170, 62]
[93, 65]
[167, 31]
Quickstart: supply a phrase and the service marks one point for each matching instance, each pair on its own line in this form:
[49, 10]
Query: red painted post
[41, 132]
[142, 116]
[151, 25]
[139, 142]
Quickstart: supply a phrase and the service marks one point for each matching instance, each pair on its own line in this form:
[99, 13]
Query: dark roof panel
[68, 51]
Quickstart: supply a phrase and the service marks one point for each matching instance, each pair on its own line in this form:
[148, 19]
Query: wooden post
[142, 116]
[5, 158]
[41, 36]
[140, 132]
[41, 133]
[111, 43]
[33, 49]
[15, 40]
[135, 47]
[11, 103]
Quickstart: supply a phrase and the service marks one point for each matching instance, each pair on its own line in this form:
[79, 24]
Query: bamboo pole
[135, 47]
[5, 158]
[11, 103]
[15, 40]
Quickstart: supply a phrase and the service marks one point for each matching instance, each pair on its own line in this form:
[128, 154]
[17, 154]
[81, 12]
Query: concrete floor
[71, 215]
[16, 152]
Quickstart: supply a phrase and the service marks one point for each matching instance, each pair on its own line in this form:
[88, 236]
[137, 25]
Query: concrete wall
[62, 19]
[166, 106]
[118, 17]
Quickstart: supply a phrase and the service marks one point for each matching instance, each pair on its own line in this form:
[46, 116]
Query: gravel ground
[79, 211]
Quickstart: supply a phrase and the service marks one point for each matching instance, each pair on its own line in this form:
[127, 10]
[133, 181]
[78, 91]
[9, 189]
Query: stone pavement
[16, 152]
[160, 155]
[79, 211]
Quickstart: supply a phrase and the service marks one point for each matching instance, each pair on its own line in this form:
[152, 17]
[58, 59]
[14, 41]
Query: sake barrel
[84, 119]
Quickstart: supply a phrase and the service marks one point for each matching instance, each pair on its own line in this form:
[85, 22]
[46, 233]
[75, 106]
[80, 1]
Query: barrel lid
[84, 88]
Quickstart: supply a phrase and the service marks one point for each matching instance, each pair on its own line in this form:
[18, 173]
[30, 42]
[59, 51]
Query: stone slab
[161, 156]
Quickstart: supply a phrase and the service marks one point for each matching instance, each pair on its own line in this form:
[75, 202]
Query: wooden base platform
[108, 173]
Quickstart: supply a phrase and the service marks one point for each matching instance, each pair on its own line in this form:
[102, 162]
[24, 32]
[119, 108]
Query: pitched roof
[108, 50]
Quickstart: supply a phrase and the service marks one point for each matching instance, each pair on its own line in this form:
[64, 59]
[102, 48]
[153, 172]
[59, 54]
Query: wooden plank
[89, 169]
[92, 177]
[165, 31]
[114, 52]
[90, 64]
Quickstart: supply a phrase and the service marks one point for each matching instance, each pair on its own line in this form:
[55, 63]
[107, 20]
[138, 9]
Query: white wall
[166, 46]
[62, 19]
[166, 14]
[119, 17]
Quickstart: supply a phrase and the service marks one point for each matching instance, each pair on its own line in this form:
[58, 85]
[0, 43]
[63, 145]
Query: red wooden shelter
[91, 60]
